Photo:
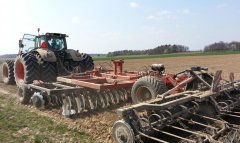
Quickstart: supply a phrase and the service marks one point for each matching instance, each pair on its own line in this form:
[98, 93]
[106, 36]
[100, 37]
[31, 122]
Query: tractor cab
[51, 41]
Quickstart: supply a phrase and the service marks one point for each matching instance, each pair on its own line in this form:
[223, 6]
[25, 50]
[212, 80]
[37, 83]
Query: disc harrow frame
[79, 93]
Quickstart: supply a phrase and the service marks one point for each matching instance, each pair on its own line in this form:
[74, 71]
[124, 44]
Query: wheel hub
[122, 135]
[143, 94]
[20, 71]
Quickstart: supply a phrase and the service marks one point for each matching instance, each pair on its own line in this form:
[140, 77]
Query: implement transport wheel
[8, 72]
[147, 88]
[87, 62]
[122, 132]
[26, 69]
[24, 95]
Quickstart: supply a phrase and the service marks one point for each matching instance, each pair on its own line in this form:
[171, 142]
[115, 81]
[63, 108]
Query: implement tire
[8, 72]
[26, 69]
[147, 88]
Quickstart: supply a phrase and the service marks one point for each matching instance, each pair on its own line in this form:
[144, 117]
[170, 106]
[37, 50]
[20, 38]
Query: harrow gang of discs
[79, 93]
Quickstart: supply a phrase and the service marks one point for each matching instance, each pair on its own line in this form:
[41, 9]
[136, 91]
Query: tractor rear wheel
[8, 72]
[147, 88]
[26, 69]
[87, 62]
[48, 70]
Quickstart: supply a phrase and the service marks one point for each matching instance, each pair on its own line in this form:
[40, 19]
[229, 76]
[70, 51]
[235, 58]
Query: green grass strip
[167, 55]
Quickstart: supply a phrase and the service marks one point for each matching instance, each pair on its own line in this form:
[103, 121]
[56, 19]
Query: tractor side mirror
[20, 44]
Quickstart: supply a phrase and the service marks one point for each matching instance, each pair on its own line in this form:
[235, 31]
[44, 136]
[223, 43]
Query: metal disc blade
[112, 101]
[79, 102]
[102, 102]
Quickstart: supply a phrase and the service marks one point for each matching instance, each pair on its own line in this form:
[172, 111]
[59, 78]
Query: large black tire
[49, 72]
[147, 88]
[87, 63]
[26, 69]
[8, 72]
[24, 95]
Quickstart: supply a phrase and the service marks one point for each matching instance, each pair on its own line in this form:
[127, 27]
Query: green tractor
[44, 57]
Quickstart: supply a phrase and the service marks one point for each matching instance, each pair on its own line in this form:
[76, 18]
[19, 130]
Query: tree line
[167, 49]
[222, 46]
[163, 49]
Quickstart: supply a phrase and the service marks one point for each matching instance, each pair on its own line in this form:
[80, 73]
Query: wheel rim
[122, 132]
[143, 94]
[5, 71]
[20, 71]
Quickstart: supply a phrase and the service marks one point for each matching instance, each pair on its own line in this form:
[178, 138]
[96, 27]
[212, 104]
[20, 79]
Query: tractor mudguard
[74, 55]
[47, 55]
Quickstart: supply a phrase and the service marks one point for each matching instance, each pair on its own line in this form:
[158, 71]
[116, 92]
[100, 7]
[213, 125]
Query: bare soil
[227, 63]
[99, 123]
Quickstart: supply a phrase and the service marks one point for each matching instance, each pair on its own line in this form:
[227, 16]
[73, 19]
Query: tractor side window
[28, 42]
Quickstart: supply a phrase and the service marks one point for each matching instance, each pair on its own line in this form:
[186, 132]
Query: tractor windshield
[56, 43]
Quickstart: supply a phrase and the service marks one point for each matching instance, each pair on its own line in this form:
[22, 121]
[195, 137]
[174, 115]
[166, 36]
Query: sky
[102, 26]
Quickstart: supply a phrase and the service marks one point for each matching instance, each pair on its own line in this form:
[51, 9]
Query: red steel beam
[106, 85]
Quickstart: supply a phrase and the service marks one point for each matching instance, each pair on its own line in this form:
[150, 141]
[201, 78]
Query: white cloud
[75, 20]
[134, 5]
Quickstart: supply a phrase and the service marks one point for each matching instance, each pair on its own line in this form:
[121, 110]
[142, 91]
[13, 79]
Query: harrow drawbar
[211, 116]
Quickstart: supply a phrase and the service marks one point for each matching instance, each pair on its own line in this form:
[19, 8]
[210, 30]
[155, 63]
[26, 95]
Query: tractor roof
[56, 34]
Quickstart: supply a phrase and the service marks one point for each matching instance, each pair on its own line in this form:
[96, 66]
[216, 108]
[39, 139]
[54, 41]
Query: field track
[99, 124]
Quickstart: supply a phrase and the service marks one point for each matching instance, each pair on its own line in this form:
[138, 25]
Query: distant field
[166, 55]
